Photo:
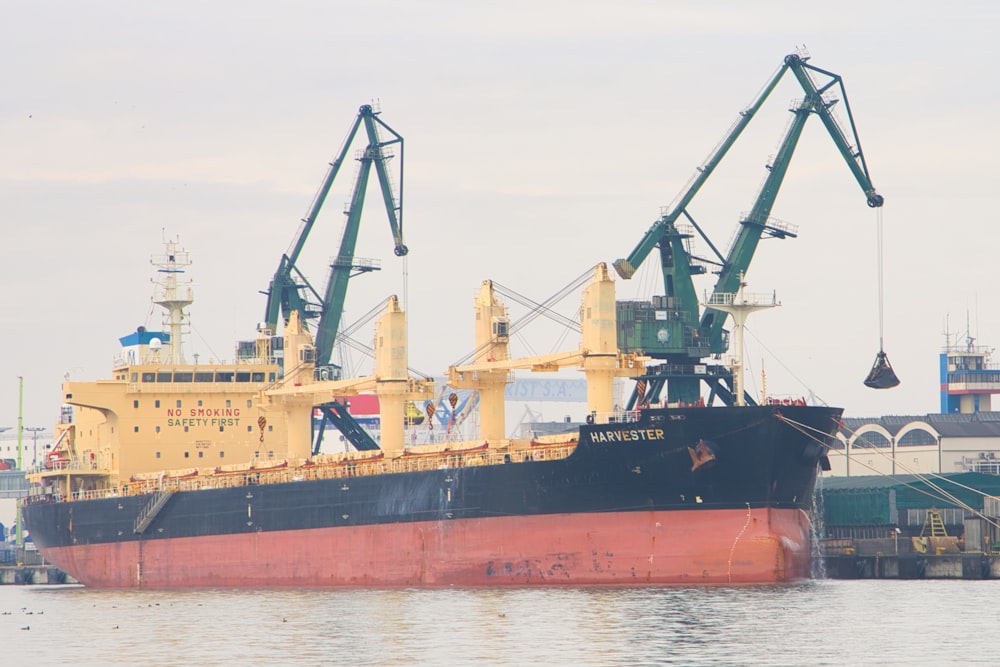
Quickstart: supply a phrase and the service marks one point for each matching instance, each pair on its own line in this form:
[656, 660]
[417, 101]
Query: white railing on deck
[616, 417]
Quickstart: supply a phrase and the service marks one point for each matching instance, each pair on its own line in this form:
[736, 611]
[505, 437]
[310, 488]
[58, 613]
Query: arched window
[870, 439]
[916, 438]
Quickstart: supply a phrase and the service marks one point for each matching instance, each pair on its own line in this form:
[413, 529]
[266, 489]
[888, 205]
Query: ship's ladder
[934, 524]
[151, 510]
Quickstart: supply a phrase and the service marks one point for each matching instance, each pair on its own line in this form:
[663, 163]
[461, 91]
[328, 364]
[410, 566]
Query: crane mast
[673, 327]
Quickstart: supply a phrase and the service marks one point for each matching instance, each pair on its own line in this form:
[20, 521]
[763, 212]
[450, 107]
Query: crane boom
[756, 222]
[627, 267]
[673, 327]
[283, 294]
[289, 290]
[345, 266]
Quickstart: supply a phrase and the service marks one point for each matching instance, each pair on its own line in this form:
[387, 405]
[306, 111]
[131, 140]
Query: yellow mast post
[598, 320]
[392, 376]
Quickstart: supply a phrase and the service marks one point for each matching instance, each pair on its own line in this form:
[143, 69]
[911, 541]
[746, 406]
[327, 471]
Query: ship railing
[344, 469]
[63, 465]
[614, 417]
[55, 496]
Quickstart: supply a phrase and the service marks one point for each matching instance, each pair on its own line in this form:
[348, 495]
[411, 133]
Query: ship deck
[317, 468]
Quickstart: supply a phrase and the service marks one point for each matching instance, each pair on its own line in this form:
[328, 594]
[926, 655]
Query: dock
[897, 558]
[25, 566]
[27, 575]
[910, 566]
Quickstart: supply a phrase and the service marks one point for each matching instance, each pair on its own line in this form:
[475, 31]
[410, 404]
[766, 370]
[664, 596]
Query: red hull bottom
[613, 548]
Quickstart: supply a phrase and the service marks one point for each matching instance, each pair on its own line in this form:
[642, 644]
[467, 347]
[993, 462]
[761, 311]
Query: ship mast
[740, 305]
[173, 294]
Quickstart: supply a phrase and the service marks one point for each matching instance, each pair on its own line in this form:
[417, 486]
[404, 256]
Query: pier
[911, 566]
[24, 565]
[27, 575]
[896, 558]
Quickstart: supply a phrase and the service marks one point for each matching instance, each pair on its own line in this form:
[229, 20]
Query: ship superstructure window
[157, 455]
[135, 429]
[157, 403]
[249, 403]
[178, 402]
[200, 403]
[135, 404]
[186, 376]
[229, 403]
[224, 376]
[187, 455]
[149, 377]
[257, 377]
[221, 429]
[201, 455]
[165, 377]
[243, 377]
[134, 377]
[204, 376]
[157, 429]
[249, 429]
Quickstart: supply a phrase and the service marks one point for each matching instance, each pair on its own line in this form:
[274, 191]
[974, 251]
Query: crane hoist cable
[881, 376]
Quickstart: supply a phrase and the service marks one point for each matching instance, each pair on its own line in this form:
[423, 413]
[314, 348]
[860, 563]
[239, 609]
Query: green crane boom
[673, 328]
[286, 291]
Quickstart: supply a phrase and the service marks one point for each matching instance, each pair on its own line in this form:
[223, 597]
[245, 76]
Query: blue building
[968, 380]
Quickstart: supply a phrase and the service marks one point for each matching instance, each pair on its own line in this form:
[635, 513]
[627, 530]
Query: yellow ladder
[934, 523]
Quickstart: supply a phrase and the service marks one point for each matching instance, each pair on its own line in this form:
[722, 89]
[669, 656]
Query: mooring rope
[926, 478]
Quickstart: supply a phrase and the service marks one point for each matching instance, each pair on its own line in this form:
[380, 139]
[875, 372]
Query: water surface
[812, 623]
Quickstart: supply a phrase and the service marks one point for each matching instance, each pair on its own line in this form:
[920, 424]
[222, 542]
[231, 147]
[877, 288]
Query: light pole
[34, 443]
[20, 418]
[20, 434]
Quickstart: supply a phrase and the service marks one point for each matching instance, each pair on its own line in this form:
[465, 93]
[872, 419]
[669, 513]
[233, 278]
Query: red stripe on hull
[623, 548]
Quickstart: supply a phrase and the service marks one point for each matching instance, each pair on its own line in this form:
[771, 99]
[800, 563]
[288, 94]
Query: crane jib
[682, 334]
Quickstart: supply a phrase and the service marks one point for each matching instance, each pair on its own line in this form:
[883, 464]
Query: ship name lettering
[627, 436]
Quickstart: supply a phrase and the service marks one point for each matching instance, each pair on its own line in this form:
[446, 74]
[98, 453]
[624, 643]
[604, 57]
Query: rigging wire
[746, 329]
[543, 308]
[925, 478]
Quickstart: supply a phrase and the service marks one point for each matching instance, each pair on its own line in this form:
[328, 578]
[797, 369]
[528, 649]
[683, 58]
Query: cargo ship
[177, 474]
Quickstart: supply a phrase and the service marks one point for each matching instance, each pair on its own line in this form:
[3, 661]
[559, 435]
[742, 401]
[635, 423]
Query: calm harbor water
[873, 622]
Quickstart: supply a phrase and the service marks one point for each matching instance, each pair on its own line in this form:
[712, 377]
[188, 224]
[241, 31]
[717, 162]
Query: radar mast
[173, 293]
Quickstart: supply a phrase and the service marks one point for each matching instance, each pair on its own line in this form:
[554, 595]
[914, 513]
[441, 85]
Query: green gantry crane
[673, 327]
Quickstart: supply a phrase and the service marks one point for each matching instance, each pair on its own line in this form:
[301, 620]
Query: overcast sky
[541, 139]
